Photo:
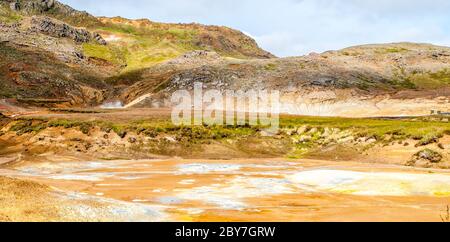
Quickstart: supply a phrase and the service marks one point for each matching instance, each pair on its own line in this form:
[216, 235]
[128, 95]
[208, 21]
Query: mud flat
[30, 201]
[228, 190]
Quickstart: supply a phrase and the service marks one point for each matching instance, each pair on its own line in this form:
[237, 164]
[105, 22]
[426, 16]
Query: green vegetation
[270, 67]
[430, 80]
[119, 29]
[70, 110]
[150, 128]
[143, 54]
[380, 129]
[391, 50]
[351, 53]
[7, 16]
[145, 44]
[298, 136]
[28, 126]
[376, 128]
[399, 80]
[142, 44]
[140, 49]
[109, 53]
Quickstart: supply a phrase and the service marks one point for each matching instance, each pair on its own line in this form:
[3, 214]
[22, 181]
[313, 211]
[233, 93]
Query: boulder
[425, 158]
[99, 39]
[47, 4]
[15, 6]
[313, 131]
[302, 130]
[430, 155]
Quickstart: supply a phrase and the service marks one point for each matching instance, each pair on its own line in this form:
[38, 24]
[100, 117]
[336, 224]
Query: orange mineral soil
[249, 190]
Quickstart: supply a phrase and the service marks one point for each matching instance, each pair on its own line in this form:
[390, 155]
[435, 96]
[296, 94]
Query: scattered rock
[303, 139]
[291, 132]
[324, 82]
[170, 139]
[201, 53]
[371, 141]
[99, 39]
[197, 56]
[425, 158]
[313, 131]
[346, 139]
[336, 130]
[47, 4]
[79, 55]
[302, 130]
[15, 6]
[327, 132]
[122, 134]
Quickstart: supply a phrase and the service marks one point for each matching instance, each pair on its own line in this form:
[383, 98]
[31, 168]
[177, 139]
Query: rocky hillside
[373, 80]
[154, 41]
[57, 56]
[143, 43]
[43, 61]
[50, 8]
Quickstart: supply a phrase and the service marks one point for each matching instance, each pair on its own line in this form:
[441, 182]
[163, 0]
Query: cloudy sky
[297, 27]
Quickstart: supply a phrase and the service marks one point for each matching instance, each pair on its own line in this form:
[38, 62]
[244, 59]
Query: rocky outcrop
[32, 6]
[60, 29]
[15, 6]
[99, 39]
[53, 9]
[41, 5]
[426, 158]
[196, 57]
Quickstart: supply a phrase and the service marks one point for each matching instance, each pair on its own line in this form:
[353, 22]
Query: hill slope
[72, 51]
[387, 80]
[140, 43]
[73, 58]
[143, 43]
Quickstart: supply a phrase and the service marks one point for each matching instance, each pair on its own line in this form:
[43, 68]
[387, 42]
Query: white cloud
[295, 27]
